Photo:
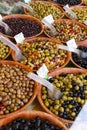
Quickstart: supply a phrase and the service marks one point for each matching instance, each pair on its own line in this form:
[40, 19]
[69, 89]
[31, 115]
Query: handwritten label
[41, 80]
[71, 44]
[49, 19]
[43, 72]
[0, 17]
[69, 11]
[85, 22]
[19, 38]
[27, 1]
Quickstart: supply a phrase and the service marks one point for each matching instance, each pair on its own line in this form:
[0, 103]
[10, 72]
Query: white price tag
[49, 19]
[71, 44]
[27, 1]
[43, 71]
[68, 10]
[0, 17]
[19, 38]
[85, 22]
[81, 120]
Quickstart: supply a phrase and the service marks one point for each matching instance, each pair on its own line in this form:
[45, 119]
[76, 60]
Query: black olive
[78, 60]
[26, 127]
[51, 80]
[70, 2]
[33, 124]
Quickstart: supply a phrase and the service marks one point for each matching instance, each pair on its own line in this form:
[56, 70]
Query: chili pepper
[2, 106]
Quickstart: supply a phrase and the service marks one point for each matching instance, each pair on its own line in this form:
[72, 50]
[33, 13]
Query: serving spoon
[79, 52]
[53, 92]
[18, 54]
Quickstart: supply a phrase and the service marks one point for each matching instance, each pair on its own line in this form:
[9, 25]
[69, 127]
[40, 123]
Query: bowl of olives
[72, 82]
[32, 119]
[69, 2]
[45, 8]
[80, 12]
[28, 25]
[17, 91]
[78, 61]
[67, 29]
[42, 50]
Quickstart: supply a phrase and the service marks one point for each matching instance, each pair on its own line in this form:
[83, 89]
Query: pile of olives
[28, 26]
[45, 8]
[41, 52]
[80, 12]
[80, 61]
[30, 124]
[4, 50]
[70, 2]
[66, 30]
[16, 88]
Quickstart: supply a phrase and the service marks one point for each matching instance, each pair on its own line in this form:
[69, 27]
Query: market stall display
[17, 91]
